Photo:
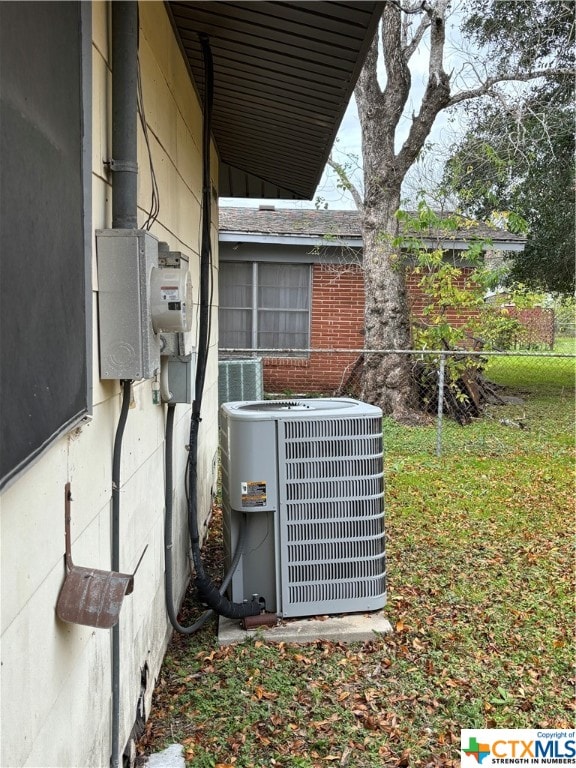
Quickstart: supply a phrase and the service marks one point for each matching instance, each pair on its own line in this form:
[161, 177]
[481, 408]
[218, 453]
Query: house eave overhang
[318, 241]
[283, 77]
[463, 245]
[305, 240]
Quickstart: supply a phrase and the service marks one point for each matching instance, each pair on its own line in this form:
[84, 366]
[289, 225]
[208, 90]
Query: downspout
[124, 216]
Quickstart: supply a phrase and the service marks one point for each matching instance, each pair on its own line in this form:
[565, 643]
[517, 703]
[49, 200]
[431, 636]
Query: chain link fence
[564, 328]
[471, 401]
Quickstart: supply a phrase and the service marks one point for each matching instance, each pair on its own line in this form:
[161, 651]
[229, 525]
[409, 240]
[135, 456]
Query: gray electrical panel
[129, 348]
[181, 374]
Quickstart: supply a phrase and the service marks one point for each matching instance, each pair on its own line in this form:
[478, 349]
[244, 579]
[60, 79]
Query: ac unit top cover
[321, 407]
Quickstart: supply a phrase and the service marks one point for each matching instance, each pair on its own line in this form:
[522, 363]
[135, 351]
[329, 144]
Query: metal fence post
[440, 405]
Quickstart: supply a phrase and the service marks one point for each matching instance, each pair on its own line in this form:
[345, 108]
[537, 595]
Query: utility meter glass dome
[305, 479]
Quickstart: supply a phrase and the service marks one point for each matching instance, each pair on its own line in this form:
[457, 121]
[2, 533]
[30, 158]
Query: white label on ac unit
[170, 293]
[254, 493]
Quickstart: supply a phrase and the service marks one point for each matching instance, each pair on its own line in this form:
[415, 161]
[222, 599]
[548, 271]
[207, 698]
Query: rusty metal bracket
[90, 596]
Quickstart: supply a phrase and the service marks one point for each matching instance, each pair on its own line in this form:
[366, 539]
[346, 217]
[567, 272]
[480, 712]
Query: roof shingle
[268, 220]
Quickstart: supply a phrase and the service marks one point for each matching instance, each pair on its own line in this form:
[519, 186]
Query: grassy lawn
[480, 595]
[565, 345]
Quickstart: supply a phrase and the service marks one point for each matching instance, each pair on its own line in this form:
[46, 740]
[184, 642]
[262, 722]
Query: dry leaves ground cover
[480, 595]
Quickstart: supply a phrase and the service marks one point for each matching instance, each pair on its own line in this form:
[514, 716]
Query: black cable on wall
[207, 591]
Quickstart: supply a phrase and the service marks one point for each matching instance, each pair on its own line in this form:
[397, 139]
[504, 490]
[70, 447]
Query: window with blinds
[264, 306]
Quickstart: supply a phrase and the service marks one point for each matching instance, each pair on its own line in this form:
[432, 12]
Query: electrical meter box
[171, 299]
[129, 348]
[172, 319]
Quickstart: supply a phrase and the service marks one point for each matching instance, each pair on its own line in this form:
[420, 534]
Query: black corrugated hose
[207, 591]
[168, 543]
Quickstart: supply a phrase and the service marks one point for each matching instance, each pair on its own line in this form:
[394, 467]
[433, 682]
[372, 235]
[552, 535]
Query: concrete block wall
[56, 677]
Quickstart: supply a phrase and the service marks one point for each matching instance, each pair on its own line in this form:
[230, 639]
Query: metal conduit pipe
[168, 541]
[124, 114]
[124, 216]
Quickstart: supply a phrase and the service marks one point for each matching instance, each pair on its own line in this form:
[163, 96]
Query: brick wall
[337, 322]
[418, 300]
[537, 324]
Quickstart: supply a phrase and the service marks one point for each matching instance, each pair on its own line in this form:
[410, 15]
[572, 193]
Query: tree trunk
[387, 377]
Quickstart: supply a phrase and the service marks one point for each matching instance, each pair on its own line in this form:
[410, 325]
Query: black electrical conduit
[116, 464]
[168, 541]
[207, 591]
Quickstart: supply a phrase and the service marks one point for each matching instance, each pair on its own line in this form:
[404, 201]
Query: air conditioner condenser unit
[303, 481]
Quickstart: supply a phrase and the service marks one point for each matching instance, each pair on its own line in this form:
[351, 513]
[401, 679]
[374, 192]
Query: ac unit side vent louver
[337, 468]
[334, 471]
[240, 380]
[331, 573]
[323, 594]
[336, 511]
[333, 489]
[313, 532]
[332, 551]
[311, 428]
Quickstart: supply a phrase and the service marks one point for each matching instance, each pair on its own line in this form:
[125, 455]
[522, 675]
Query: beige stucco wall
[56, 678]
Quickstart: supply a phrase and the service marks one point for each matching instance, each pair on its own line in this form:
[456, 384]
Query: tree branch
[346, 182]
[367, 86]
[416, 40]
[416, 7]
[437, 94]
[485, 88]
[398, 77]
[437, 40]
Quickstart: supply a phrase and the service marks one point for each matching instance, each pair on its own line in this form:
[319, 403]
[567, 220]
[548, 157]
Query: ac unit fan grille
[348, 530]
[332, 525]
[323, 594]
[344, 510]
[316, 552]
[334, 489]
[312, 428]
[240, 380]
[331, 573]
[306, 470]
[333, 447]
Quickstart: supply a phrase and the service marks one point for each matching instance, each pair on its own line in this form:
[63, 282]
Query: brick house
[291, 279]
